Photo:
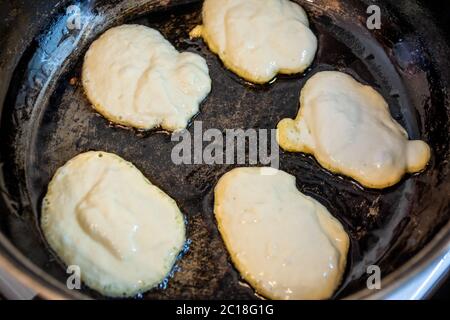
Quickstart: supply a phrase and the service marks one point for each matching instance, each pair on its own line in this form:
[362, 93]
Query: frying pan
[46, 120]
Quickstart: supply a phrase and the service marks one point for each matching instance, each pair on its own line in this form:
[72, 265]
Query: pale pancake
[257, 39]
[135, 77]
[285, 244]
[101, 214]
[347, 126]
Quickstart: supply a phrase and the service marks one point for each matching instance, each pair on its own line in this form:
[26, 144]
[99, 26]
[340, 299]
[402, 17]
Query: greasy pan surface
[46, 120]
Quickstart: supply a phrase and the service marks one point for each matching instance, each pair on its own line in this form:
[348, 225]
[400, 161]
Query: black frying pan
[46, 120]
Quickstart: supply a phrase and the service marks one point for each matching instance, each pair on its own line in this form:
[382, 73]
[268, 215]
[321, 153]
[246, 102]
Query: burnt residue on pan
[47, 120]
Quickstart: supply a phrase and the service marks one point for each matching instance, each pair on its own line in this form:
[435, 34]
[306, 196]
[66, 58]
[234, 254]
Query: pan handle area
[13, 289]
[423, 284]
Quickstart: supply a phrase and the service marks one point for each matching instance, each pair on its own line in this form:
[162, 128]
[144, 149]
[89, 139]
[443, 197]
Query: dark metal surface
[46, 120]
